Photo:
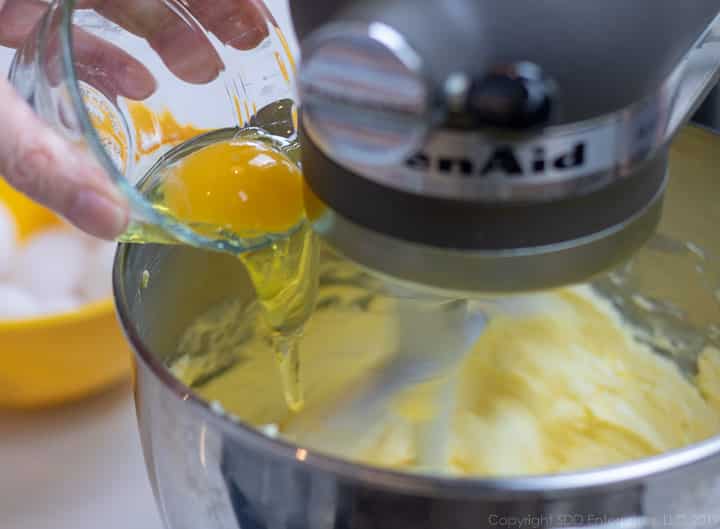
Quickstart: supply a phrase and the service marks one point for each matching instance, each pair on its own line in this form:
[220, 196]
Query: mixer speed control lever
[519, 97]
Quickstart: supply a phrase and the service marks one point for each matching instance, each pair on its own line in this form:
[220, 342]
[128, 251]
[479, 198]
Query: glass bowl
[129, 80]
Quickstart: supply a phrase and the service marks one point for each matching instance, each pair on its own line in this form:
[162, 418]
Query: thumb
[57, 174]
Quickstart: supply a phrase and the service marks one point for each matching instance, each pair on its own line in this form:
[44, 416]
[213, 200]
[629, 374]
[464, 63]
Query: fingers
[241, 24]
[17, 18]
[110, 69]
[182, 45]
[98, 63]
[56, 174]
[102, 65]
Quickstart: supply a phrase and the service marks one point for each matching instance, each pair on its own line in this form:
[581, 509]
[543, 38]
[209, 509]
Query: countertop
[75, 467]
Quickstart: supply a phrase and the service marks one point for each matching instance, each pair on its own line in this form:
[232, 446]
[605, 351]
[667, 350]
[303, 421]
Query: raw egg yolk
[246, 187]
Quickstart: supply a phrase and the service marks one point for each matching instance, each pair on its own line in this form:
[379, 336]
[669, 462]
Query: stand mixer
[414, 150]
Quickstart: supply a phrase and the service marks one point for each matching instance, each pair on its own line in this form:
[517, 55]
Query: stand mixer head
[461, 148]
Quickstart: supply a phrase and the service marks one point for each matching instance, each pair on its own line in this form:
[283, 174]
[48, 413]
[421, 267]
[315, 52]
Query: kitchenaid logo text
[503, 161]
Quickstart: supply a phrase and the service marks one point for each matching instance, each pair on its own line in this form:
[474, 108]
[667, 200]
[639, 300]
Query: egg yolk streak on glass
[286, 49]
[153, 130]
[282, 67]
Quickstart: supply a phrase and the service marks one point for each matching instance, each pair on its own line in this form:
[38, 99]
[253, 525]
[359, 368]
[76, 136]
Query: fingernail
[98, 215]
[248, 38]
[196, 63]
[137, 81]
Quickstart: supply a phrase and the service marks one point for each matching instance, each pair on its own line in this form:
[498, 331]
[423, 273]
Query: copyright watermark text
[558, 521]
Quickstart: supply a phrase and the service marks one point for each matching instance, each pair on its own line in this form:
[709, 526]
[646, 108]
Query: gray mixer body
[494, 147]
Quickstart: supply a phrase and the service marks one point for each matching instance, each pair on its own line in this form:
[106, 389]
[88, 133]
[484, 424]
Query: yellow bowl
[56, 359]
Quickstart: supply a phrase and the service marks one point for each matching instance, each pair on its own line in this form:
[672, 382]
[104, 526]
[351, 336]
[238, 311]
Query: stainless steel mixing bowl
[211, 472]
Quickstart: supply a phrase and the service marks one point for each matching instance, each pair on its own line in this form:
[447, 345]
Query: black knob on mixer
[518, 97]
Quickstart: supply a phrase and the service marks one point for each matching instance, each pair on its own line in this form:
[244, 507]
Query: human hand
[38, 162]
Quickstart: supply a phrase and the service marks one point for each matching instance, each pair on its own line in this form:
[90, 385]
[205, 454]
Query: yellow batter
[560, 385]
[570, 390]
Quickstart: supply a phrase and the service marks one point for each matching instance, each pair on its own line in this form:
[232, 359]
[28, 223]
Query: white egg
[51, 264]
[16, 303]
[60, 305]
[8, 240]
[97, 280]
